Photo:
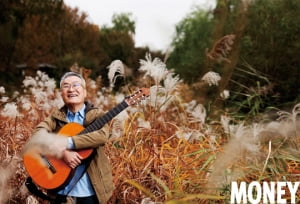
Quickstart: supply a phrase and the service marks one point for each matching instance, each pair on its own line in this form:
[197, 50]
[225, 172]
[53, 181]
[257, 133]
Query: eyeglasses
[75, 85]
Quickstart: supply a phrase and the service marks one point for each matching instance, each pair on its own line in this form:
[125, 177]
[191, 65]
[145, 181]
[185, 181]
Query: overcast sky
[155, 19]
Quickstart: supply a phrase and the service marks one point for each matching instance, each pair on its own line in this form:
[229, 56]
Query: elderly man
[92, 181]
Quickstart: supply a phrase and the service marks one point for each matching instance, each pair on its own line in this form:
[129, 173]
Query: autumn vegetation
[223, 105]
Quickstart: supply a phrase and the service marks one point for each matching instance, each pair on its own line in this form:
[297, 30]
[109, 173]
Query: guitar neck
[100, 122]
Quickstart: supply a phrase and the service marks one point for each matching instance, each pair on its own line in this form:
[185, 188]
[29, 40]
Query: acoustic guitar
[51, 173]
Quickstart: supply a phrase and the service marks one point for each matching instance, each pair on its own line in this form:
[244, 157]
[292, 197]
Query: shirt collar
[80, 112]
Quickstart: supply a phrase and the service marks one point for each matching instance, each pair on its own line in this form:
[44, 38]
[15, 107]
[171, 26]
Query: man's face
[72, 91]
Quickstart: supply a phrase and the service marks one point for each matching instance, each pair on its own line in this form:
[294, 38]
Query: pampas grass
[164, 150]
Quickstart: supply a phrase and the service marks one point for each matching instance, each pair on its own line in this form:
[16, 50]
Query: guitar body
[49, 172]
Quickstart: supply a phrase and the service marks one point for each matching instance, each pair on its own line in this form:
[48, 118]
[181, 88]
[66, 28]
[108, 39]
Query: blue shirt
[83, 187]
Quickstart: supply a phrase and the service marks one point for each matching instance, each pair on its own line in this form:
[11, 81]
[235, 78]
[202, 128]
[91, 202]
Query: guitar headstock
[137, 96]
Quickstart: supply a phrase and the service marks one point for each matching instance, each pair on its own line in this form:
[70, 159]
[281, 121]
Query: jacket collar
[61, 113]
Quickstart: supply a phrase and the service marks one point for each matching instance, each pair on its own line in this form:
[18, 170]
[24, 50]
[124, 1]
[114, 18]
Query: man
[92, 182]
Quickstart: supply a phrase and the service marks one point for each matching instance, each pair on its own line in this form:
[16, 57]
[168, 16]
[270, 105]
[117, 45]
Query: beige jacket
[99, 169]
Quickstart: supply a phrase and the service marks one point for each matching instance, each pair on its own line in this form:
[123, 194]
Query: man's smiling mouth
[72, 95]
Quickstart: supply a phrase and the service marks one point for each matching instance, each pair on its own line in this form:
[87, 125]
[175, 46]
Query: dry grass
[153, 161]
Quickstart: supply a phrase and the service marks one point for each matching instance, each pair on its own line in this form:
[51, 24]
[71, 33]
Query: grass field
[163, 150]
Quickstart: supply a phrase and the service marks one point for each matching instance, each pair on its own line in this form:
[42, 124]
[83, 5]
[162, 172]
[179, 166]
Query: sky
[155, 20]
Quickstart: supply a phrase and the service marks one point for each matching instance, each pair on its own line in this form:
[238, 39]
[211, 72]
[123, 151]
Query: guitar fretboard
[100, 122]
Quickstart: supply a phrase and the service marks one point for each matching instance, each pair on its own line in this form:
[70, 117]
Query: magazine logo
[266, 192]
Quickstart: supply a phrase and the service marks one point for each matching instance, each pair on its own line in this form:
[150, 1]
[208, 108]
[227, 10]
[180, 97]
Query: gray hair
[68, 74]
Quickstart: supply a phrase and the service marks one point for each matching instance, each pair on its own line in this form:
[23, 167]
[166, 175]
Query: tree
[117, 41]
[123, 23]
[271, 44]
[13, 14]
[263, 57]
[191, 40]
